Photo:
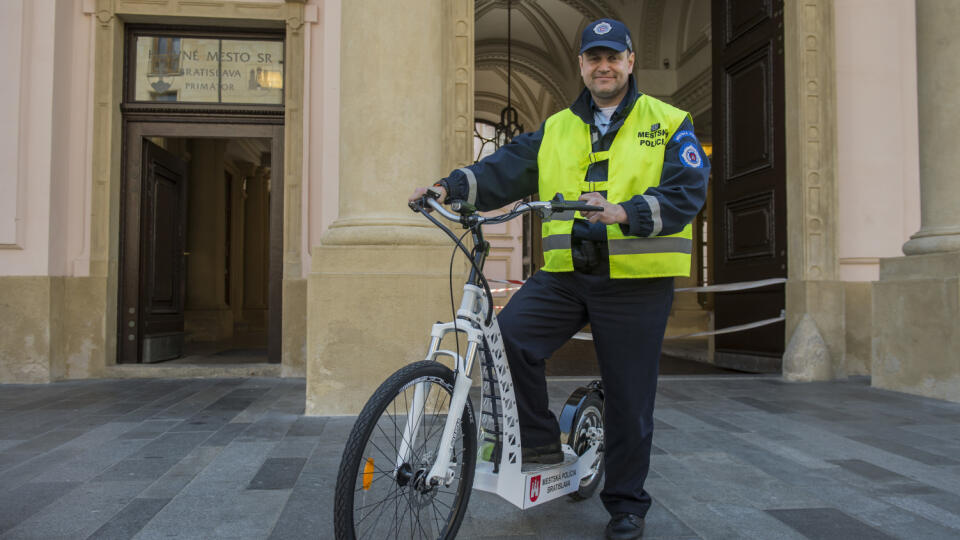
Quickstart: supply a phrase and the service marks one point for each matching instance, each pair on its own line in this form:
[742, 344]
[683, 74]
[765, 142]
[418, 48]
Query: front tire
[376, 498]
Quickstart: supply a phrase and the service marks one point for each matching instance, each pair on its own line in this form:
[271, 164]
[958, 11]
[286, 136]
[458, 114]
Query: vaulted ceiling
[671, 40]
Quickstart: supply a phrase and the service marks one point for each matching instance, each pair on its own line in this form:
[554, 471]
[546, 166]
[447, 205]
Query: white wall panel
[877, 146]
[11, 12]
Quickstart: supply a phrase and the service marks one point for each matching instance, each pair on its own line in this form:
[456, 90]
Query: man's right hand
[420, 192]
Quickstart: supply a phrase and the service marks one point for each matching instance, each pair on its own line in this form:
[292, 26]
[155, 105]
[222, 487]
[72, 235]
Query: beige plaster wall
[51, 328]
[84, 324]
[877, 140]
[915, 338]
[25, 329]
[370, 313]
[858, 324]
[294, 349]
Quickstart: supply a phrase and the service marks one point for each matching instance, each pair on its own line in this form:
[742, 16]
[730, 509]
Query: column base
[816, 331]
[926, 241]
[916, 325]
[369, 312]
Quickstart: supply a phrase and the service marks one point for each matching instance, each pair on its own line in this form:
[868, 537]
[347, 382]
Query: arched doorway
[675, 46]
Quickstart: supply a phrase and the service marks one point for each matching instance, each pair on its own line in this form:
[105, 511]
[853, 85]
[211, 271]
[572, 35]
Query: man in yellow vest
[639, 159]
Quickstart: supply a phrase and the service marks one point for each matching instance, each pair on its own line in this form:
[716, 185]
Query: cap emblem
[602, 28]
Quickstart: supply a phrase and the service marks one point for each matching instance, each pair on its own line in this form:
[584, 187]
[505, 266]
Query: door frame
[135, 130]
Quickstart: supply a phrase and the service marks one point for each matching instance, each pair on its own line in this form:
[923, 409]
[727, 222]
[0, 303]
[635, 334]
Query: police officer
[639, 159]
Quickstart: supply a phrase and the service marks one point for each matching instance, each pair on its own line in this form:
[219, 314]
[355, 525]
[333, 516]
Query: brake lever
[420, 204]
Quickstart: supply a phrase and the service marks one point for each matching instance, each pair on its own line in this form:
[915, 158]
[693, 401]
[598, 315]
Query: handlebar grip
[578, 206]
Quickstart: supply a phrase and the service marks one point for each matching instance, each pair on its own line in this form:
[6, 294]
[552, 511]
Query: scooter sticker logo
[534, 488]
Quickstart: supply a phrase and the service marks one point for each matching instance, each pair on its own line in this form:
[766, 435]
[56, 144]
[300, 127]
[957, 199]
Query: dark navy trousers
[628, 319]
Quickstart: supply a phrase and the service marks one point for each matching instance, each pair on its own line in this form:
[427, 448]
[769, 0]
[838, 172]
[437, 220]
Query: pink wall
[45, 132]
[321, 153]
[11, 226]
[877, 148]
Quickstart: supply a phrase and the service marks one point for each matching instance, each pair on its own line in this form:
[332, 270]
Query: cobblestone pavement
[734, 457]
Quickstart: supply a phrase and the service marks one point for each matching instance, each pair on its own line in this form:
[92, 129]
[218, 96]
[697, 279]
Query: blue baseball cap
[609, 33]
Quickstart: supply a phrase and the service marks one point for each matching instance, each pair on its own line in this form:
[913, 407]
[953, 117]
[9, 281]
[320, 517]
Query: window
[165, 57]
[193, 67]
[485, 140]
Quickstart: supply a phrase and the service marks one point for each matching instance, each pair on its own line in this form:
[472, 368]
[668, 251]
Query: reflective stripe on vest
[635, 164]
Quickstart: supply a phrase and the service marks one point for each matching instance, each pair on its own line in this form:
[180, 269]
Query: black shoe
[625, 527]
[549, 454]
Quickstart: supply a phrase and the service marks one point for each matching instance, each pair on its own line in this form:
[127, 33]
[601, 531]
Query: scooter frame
[504, 475]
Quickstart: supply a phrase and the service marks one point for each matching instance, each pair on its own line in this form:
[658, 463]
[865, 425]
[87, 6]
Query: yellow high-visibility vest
[635, 164]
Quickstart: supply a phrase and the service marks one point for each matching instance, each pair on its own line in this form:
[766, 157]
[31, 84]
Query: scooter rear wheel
[589, 415]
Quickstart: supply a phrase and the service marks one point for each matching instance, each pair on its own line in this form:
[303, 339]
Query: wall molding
[650, 32]
[458, 69]
[811, 128]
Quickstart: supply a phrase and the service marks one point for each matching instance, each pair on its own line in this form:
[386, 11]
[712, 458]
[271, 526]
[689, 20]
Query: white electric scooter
[416, 451]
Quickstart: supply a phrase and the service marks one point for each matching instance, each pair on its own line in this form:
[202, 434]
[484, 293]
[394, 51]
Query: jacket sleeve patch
[690, 156]
[680, 135]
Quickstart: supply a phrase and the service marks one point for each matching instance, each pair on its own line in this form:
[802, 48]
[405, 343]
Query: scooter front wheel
[382, 487]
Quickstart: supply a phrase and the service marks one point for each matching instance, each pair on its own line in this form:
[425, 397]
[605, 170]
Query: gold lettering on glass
[209, 70]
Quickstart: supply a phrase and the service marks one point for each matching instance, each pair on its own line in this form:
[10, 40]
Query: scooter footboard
[537, 485]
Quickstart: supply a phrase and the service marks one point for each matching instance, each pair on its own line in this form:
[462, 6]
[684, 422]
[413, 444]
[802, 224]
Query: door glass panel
[209, 70]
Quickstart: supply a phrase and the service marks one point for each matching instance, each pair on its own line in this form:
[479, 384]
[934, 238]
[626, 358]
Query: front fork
[468, 320]
[441, 471]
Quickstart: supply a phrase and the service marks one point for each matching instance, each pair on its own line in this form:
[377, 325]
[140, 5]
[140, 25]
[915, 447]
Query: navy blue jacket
[510, 174]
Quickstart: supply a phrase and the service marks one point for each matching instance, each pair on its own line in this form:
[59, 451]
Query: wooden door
[749, 175]
[154, 277]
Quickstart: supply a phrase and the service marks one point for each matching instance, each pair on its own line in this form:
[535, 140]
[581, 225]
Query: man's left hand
[612, 213]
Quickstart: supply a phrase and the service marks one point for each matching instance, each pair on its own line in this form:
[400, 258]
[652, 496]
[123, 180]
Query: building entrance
[200, 264]
[201, 203]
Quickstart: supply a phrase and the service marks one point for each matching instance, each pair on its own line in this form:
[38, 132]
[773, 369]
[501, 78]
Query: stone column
[938, 74]
[379, 278]
[916, 303]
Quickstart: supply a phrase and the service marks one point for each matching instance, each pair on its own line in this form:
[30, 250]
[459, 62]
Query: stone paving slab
[734, 457]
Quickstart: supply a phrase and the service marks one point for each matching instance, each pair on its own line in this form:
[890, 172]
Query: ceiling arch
[545, 42]
[589, 9]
